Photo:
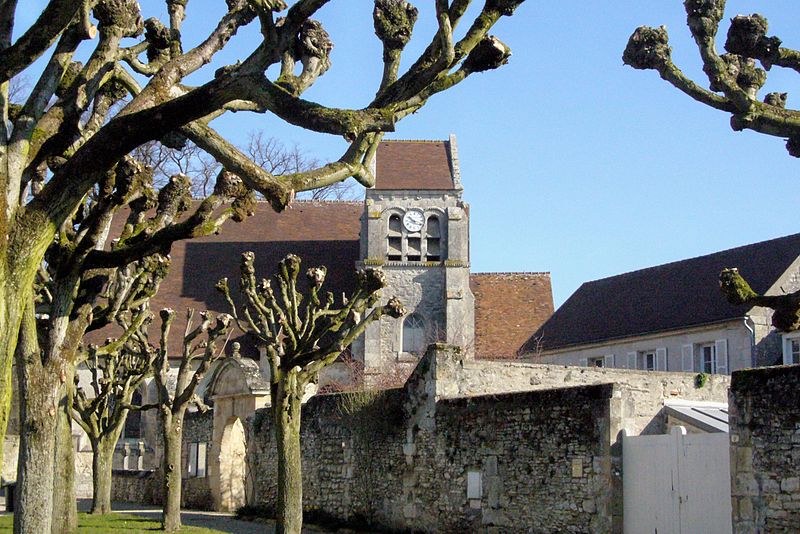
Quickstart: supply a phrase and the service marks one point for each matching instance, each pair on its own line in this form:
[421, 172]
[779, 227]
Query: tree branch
[53, 20]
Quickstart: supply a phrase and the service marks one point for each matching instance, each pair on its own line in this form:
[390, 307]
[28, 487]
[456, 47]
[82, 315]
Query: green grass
[114, 523]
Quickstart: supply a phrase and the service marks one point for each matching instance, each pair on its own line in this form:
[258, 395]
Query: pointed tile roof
[414, 165]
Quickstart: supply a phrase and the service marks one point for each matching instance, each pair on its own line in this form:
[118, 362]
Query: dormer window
[414, 236]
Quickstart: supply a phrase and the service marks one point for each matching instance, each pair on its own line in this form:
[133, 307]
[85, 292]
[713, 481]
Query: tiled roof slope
[413, 165]
[508, 307]
[321, 233]
[675, 295]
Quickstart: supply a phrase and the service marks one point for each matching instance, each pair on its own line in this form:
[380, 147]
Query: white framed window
[648, 360]
[598, 361]
[198, 459]
[791, 349]
[713, 357]
[708, 358]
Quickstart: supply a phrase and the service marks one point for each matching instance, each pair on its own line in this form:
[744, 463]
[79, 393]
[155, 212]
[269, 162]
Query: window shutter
[787, 351]
[608, 360]
[584, 362]
[721, 347]
[631, 360]
[687, 357]
[661, 359]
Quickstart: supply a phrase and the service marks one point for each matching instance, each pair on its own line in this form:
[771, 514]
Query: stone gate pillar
[238, 389]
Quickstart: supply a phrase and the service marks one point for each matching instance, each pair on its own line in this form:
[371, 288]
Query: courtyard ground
[146, 519]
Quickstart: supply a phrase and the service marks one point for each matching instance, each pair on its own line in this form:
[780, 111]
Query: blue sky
[572, 163]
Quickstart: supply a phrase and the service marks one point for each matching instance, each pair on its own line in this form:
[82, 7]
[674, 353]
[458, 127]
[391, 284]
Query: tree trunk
[286, 414]
[34, 497]
[102, 458]
[9, 334]
[173, 435]
[65, 509]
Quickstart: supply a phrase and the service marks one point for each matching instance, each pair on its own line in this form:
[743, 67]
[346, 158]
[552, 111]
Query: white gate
[677, 483]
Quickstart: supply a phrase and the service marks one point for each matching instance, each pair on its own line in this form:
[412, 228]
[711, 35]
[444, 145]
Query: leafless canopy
[734, 79]
[734, 82]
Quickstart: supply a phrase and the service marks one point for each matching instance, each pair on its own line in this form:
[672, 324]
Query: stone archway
[233, 467]
[238, 390]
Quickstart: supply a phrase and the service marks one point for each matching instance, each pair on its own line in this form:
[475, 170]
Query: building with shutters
[673, 317]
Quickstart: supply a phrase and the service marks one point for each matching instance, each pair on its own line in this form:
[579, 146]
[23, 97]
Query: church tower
[415, 226]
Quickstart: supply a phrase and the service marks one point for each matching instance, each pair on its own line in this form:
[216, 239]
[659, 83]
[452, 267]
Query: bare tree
[199, 352]
[117, 370]
[302, 334]
[188, 159]
[271, 154]
[70, 137]
[734, 81]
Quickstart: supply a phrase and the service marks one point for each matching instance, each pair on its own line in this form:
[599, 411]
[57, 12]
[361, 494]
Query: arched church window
[414, 333]
[433, 235]
[133, 423]
[395, 239]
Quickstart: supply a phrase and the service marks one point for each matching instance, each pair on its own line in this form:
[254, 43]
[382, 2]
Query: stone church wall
[765, 449]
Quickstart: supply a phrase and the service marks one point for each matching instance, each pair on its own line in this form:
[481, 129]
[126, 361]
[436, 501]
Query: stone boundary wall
[765, 449]
[399, 460]
[142, 487]
[196, 491]
[643, 392]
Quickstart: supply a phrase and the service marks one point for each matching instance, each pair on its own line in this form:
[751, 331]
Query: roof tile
[508, 307]
[414, 165]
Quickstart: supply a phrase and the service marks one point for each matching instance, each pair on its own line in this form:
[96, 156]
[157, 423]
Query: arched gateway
[238, 390]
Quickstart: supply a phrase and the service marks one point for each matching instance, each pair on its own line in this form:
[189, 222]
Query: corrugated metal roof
[711, 417]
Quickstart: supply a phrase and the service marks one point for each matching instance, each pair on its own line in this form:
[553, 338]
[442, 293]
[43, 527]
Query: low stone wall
[539, 462]
[643, 392]
[142, 487]
[83, 466]
[765, 449]
[541, 441]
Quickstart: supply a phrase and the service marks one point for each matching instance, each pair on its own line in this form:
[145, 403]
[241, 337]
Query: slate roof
[508, 307]
[667, 297]
[414, 165]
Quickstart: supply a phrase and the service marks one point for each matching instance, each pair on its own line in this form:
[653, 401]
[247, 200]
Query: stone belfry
[415, 226]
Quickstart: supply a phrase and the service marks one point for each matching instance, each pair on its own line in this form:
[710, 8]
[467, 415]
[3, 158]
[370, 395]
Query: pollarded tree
[118, 368]
[82, 287]
[734, 81]
[199, 352]
[302, 333]
[67, 136]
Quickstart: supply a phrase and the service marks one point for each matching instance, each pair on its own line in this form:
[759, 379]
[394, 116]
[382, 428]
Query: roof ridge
[317, 201]
[684, 260]
[512, 272]
[415, 140]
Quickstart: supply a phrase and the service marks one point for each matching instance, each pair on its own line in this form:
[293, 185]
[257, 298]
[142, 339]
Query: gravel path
[217, 520]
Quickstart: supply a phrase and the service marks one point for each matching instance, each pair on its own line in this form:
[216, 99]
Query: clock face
[413, 220]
